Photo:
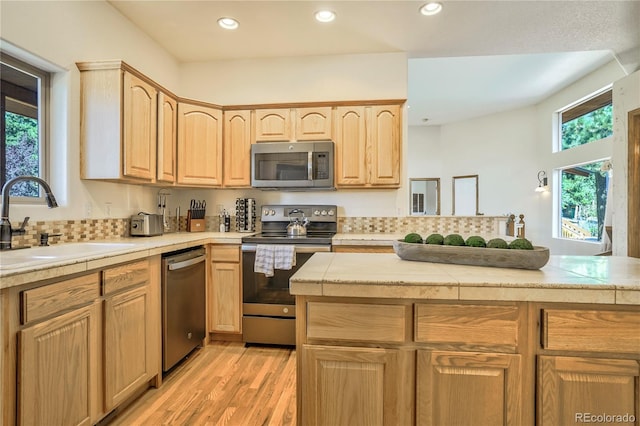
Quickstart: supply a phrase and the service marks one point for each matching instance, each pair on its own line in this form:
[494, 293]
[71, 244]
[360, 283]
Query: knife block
[194, 225]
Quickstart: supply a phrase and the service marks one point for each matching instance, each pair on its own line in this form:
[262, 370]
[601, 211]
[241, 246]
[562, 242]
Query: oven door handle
[300, 248]
[186, 263]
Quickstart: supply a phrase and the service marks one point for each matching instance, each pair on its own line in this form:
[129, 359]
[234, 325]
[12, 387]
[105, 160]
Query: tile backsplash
[104, 229]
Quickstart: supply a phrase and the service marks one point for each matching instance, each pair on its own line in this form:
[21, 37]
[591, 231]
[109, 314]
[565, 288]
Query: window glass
[23, 147]
[583, 201]
[588, 121]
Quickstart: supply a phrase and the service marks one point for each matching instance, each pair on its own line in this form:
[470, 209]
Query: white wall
[57, 35]
[626, 97]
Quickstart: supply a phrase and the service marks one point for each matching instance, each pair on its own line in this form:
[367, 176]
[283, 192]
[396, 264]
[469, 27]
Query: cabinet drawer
[225, 253]
[41, 302]
[357, 322]
[124, 276]
[591, 330]
[494, 327]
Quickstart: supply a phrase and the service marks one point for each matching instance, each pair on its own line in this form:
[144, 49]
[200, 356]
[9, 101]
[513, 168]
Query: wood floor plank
[223, 384]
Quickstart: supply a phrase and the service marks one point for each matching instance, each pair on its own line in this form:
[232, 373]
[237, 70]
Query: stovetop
[321, 227]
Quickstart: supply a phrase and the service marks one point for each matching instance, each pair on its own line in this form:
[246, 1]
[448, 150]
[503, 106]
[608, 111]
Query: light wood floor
[222, 384]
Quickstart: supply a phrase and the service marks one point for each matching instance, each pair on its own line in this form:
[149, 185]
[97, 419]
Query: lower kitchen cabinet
[84, 344]
[351, 385]
[225, 289]
[571, 388]
[58, 374]
[460, 388]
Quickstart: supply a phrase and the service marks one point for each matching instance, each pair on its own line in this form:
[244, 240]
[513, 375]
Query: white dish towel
[274, 256]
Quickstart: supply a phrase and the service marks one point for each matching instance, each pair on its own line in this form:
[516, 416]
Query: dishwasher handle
[186, 263]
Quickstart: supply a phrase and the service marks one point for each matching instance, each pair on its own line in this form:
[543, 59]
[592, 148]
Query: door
[273, 125]
[127, 357]
[357, 386]
[237, 149]
[313, 124]
[458, 388]
[167, 138]
[384, 131]
[58, 373]
[139, 119]
[199, 145]
[351, 147]
[571, 388]
[225, 297]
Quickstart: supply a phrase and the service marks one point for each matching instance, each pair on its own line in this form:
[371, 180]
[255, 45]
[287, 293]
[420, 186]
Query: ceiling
[474, 58]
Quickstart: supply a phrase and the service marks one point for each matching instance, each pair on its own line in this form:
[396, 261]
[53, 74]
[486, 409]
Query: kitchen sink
[18, 258]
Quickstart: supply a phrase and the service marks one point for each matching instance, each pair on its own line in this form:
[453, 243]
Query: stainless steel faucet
[6, 231]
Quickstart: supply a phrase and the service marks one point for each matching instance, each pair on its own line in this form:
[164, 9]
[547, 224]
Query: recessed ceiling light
[228, 23]
[325, 16]
[431, 8]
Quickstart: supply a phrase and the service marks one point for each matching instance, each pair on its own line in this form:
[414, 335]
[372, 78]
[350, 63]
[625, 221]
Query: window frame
[581, 154]
[43, 106]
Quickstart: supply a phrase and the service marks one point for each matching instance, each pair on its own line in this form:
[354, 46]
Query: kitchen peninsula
[381, 340]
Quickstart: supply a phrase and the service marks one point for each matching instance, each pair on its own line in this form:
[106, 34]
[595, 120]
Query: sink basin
[38, 255]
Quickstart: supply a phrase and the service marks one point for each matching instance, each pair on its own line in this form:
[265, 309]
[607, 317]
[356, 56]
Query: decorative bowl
[475, 256]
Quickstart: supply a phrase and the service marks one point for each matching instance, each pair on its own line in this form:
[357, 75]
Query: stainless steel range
[268, 308]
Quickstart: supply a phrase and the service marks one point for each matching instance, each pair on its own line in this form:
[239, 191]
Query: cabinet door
[273, 125]
[458, 388]
[384, 133]
[350, 144]
[139, 119]
[571, 388]
[127, 331]
[237, 149]
[58, 374]
[313, 123]
[357, 386]
[167, 138]
[225, 298]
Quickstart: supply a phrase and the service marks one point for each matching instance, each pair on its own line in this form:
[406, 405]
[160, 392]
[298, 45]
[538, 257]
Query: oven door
[268, 308]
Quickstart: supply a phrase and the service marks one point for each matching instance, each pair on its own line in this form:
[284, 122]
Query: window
[584, 187]
[23, 97]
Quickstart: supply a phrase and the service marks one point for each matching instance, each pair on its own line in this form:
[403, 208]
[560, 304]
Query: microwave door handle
[310, 165]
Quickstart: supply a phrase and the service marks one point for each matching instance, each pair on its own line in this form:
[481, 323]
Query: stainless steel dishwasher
[183, 304]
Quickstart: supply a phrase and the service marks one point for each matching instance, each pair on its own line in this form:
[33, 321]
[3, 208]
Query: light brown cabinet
[118, 125]
[225, 289]
[293, 124]
[368, 142]
[237, 149]
[130, 360]
[59, 360]
[82, 345]
[199, 145]
[167, 138]
[351, 385]
[273, 125]
[313, 123]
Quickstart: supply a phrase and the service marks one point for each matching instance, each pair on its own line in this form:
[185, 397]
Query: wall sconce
[542, 181]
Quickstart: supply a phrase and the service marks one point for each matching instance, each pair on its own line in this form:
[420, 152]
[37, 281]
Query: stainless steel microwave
[292, 165]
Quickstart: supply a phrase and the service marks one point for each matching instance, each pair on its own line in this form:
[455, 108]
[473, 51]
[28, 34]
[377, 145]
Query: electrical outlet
[88, 209]
[107, 209]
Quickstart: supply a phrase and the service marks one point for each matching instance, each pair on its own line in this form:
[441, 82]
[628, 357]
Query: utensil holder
[194, 225]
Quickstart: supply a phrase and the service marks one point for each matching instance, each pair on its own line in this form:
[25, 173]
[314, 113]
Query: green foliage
[476, 241]
[434, 239]
[584, 197]
[22, 155]
[498, 243]
[521, 244]
[453, 240]
[587, 128]
[413, 238]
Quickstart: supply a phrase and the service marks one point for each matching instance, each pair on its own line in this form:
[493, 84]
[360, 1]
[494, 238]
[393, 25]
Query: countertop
[23, 266]
[579, 279]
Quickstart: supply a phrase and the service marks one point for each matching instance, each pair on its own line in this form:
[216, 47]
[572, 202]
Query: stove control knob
[272, 212]
[323, 212]
[265, 212]
[331, 212]
[316, 212]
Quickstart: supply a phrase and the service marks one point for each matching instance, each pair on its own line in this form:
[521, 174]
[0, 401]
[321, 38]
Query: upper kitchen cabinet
[167, 138]
[237, 149]
[313, 123]
[273, 125]
[199, 144]
[368, 146]
[118, 125]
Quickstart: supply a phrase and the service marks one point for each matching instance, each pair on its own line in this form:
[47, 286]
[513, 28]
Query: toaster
[146, 225]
